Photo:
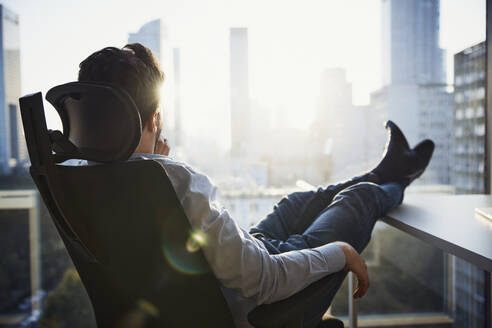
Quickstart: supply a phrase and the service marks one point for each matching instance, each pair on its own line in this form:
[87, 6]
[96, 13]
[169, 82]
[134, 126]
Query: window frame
[488, 144]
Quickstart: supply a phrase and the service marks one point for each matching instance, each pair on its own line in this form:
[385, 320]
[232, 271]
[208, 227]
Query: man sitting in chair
[308, 235]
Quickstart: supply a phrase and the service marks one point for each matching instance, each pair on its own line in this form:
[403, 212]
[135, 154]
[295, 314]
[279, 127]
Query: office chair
[122, 223]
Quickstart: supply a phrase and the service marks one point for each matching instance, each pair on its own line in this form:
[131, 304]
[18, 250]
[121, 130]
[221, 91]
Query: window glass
[267, 98]
[15, 262]
[422, 287]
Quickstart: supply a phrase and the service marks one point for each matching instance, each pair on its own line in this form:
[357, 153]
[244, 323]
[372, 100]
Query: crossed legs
[297, 211]
[349, 213]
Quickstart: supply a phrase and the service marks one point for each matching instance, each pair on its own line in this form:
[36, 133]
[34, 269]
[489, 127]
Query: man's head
[135, 69]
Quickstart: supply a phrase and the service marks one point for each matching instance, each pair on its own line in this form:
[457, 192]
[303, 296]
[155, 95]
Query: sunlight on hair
[162, 92]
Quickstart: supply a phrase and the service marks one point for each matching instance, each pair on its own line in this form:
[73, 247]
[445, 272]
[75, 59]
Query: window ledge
[448, 222]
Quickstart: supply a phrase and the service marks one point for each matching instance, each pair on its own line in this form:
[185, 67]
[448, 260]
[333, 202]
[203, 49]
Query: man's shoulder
[183, 177]
[166, 161]
[173, 167]
[156, 157]
[169, 163]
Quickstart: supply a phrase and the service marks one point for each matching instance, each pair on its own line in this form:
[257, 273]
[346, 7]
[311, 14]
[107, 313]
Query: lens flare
[196, 240]
[184, 258]
[138, 317]
[147, 308]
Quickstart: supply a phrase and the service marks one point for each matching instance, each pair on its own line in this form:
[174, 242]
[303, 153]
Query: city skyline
[285, 61]
[257, 86]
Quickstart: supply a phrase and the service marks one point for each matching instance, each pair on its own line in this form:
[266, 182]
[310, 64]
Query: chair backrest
[121, 221]
[100, 121]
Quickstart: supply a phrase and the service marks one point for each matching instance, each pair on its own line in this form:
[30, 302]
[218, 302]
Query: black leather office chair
[122, 223]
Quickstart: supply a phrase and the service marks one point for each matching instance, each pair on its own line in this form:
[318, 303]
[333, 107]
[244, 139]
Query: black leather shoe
[399, 162]
[422, 154]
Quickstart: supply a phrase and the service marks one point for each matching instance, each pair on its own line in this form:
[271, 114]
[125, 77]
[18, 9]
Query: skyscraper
[150, 36]
[153, 35]
[468, 169]
[411, 53]
[414, 93]
[178, 129]
[12, 145]
[239, 81]
[469, 120]
[333, 132]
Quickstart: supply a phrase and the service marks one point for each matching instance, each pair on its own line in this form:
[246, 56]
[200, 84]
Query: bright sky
[290, 42]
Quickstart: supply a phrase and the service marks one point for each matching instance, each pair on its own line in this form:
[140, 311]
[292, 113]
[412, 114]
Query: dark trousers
[343, 212]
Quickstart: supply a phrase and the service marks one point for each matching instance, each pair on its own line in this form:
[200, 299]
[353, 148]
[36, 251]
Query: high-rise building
[335, 90]
[469, 120]
[21, 262]
[338, 149]
[435, 121]
[12, 144]
[468, 169]
[239, 81]
[410, 34]
[150, 35]
[414, 93]
[178, 129]
[154, 36]
[469, 288]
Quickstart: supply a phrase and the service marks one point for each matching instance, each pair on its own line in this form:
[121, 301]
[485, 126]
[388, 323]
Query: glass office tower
[469, 168]
[12, 146]
[239, 75]
[414, 92]
[469, 120]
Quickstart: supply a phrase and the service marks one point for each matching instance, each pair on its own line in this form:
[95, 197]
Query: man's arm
[236, 258]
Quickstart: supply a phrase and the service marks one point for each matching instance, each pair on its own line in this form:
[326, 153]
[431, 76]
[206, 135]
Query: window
[268, 98]
[459, 114]
[480, 111]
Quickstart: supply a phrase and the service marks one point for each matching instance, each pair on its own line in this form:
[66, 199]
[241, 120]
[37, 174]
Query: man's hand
[355, 263]
[161, 147]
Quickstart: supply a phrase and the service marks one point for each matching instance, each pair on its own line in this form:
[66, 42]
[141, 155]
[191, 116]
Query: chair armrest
[292, 309]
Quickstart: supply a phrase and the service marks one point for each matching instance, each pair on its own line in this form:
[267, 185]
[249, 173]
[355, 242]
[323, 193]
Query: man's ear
[152, 123]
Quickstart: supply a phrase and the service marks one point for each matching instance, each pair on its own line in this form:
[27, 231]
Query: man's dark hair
[133, 68]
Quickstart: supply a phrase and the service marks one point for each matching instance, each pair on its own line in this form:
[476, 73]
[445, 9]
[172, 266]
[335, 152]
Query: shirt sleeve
[236, 258]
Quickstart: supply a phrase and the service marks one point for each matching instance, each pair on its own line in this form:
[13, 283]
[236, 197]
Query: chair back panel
[99, 119]
[129, 217]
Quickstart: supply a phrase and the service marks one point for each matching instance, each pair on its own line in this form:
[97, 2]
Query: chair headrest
[100, 121]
